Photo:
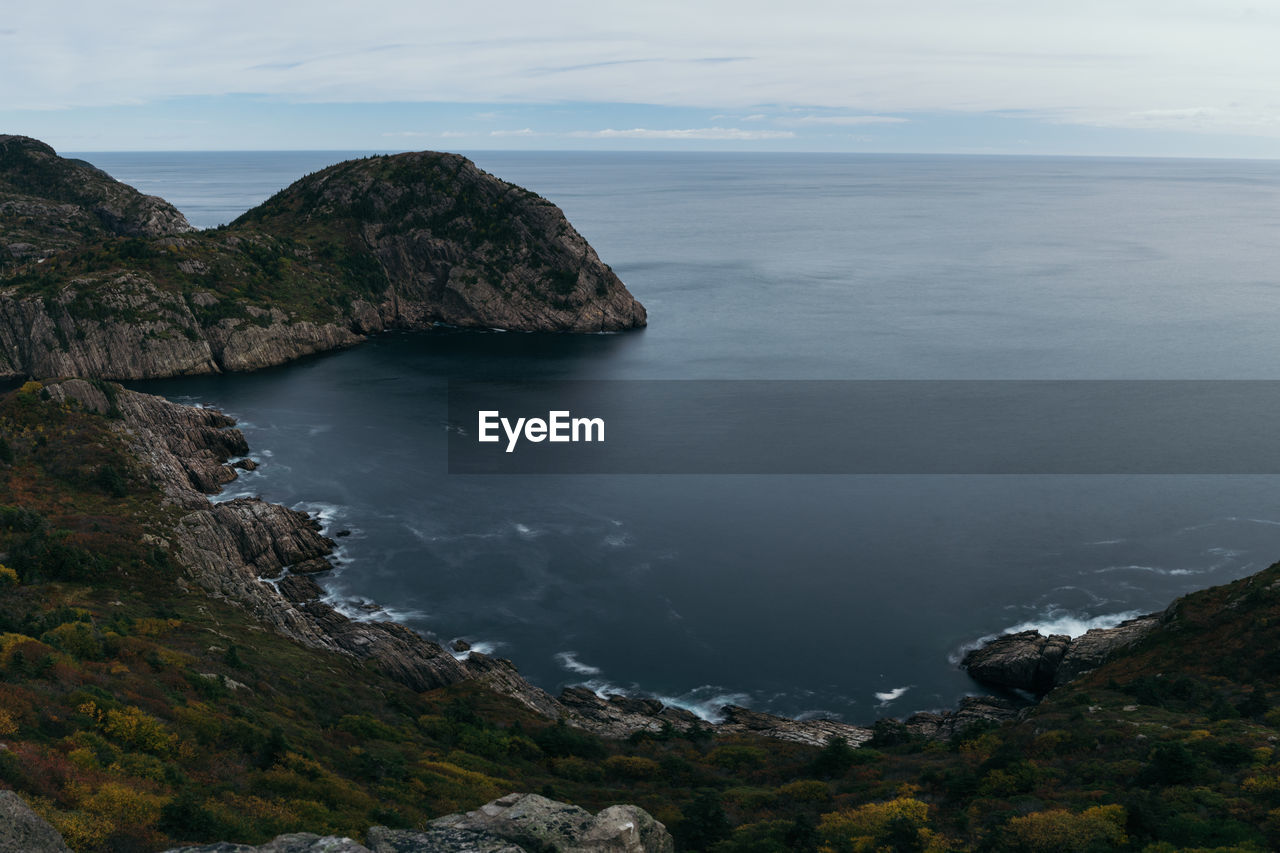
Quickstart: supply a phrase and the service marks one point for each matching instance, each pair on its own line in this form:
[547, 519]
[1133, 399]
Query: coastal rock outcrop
[534, 822]
[100, 281]
[1030, 661]
[971, 711]
[516, 823]
[456, 245]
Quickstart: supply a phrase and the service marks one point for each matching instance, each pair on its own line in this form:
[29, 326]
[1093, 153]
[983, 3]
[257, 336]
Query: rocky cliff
[98, 280]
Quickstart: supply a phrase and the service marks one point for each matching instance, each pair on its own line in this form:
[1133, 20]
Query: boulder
[24, 831]
[1026, 660]
[539, 823]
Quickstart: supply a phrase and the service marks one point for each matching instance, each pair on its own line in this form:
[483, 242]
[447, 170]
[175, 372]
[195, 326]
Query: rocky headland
[98, 280]
[1031, 662]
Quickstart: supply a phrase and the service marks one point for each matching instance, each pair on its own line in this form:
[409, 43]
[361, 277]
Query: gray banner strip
[865, 427]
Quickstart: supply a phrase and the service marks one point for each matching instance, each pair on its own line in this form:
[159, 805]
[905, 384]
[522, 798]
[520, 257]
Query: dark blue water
[792, 594]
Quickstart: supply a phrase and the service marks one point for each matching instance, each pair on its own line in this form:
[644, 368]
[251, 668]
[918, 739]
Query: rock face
[972, 710]
[458, 245]
[23, 831]
[294, 842]
[536, 823]
[408, 241]
[516, 823]
[1035, 663]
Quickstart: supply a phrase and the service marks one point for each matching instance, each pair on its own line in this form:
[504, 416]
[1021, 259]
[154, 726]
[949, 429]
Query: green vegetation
[135, 715]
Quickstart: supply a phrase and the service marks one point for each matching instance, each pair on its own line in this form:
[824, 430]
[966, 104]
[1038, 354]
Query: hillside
[98, 280]
[49, 204]
[146, 701]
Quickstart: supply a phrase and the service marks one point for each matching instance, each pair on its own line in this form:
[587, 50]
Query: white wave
[706, 702]
[1107, 542]
[1155, 570]
[1060, 622]
[569, 661]
[325, 513]
[480, 647]
[367, 610]
[620, 540]
[232, 494]
[891, 695]
[485, 648]
[708, 708]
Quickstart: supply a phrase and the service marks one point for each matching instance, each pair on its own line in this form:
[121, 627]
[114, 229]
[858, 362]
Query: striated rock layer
[98, 280]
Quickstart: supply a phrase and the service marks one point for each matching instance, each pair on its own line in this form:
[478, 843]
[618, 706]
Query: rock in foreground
[24, 831]
[516, 823]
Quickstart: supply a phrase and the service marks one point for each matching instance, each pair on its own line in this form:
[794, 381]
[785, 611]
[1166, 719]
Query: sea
[849, 596]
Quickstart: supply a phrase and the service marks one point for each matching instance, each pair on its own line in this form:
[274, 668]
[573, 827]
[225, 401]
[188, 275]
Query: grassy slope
[120, 725]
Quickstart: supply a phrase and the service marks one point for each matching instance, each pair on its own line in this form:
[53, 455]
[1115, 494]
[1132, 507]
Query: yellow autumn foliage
[875, 828]
[1061, 831]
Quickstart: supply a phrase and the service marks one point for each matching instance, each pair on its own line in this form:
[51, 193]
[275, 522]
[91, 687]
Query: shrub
[631, 766]
[901, 824]
[1061, 831]
[8, 725]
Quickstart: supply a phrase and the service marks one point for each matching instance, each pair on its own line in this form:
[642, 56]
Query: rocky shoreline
[265, 558]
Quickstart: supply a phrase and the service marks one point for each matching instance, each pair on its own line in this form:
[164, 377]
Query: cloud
[847, 120]
[689, 133]
[1131, 64]
[524, 131]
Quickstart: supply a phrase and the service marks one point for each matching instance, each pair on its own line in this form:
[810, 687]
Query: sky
[1196, 78]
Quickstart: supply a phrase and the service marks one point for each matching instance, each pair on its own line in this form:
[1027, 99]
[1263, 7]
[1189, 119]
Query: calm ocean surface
[848, 596]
